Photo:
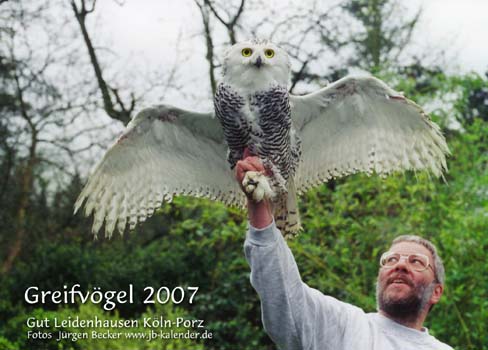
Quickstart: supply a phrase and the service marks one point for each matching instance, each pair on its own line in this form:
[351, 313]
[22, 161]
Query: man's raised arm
[294, 315]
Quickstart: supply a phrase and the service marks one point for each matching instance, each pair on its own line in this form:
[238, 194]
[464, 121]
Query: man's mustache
[404, 278]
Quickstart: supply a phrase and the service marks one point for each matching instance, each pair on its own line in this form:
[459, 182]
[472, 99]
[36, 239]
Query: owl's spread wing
[164, 152]
[359, 124]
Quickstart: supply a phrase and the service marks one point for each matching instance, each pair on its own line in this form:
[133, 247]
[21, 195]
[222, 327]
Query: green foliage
[348, 224]
[6, 344]
[349, 228]
[189, 243]
[383, 33]
[17, 328]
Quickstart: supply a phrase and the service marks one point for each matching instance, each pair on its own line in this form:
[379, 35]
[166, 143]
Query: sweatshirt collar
[392, 327]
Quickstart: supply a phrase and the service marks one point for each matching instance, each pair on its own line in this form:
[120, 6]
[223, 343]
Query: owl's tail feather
[286, 213]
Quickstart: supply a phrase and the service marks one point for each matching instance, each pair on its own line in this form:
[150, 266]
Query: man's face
[401, 291]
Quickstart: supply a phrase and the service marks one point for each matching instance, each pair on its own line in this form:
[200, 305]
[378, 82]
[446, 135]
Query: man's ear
[437, 293]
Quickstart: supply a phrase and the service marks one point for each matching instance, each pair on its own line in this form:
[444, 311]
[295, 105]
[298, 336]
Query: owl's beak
[258, 62]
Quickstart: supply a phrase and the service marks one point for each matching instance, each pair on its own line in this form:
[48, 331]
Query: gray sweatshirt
[296, 316]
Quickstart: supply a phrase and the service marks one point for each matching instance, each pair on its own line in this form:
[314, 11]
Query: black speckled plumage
[262, 122]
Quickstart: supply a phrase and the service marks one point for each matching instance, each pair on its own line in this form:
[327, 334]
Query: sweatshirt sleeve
[294, 315]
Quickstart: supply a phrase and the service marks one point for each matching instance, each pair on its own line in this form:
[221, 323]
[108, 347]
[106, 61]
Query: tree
[384, 35]
[208, 9]
[114, 104]
[118, 110]
[39, 114]
[197, 242]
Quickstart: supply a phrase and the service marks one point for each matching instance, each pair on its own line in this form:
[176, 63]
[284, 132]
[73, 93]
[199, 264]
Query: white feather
[163, 152]
[359, 124]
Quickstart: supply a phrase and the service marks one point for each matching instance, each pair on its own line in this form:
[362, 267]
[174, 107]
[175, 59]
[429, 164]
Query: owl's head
[255, 65]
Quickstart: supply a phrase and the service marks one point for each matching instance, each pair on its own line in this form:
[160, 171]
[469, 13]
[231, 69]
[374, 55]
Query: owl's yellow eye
[269, 53]
[247, 52]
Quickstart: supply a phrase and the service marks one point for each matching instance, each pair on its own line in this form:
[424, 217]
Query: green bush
[16, 329]
[348, 223]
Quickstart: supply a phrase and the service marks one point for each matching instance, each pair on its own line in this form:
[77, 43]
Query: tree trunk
[26, 182]
[123, 113]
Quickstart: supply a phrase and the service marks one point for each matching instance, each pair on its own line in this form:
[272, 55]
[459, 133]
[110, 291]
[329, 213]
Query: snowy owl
[356, 124]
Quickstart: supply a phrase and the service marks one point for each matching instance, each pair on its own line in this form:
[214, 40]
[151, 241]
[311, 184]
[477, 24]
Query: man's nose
[402, 263]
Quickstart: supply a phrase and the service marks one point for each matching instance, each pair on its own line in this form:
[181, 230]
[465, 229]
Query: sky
[460, 26]
[153, 27]
[154, 35]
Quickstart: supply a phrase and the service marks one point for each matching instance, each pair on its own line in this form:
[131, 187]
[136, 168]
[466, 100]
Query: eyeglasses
[417, 262]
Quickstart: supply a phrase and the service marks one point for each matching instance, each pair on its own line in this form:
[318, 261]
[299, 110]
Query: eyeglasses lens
[417, 262]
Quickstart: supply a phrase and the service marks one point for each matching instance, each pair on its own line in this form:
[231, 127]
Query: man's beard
[407, 308]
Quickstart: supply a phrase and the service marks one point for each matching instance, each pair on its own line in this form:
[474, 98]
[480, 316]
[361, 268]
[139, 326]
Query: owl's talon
[256, 185]
[250, 189]
[251, 182]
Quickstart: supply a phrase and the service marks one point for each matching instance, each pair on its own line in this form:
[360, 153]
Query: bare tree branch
[296, 77]
[57, 166]
[117, 110]
[230, 25]
[210, 45]
[206, 8]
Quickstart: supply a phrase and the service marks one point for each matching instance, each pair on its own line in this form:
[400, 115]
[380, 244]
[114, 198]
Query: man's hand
[259, 213]
[251, 163]
[252, 177]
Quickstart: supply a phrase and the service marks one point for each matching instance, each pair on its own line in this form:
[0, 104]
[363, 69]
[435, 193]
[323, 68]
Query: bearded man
[295, 316]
